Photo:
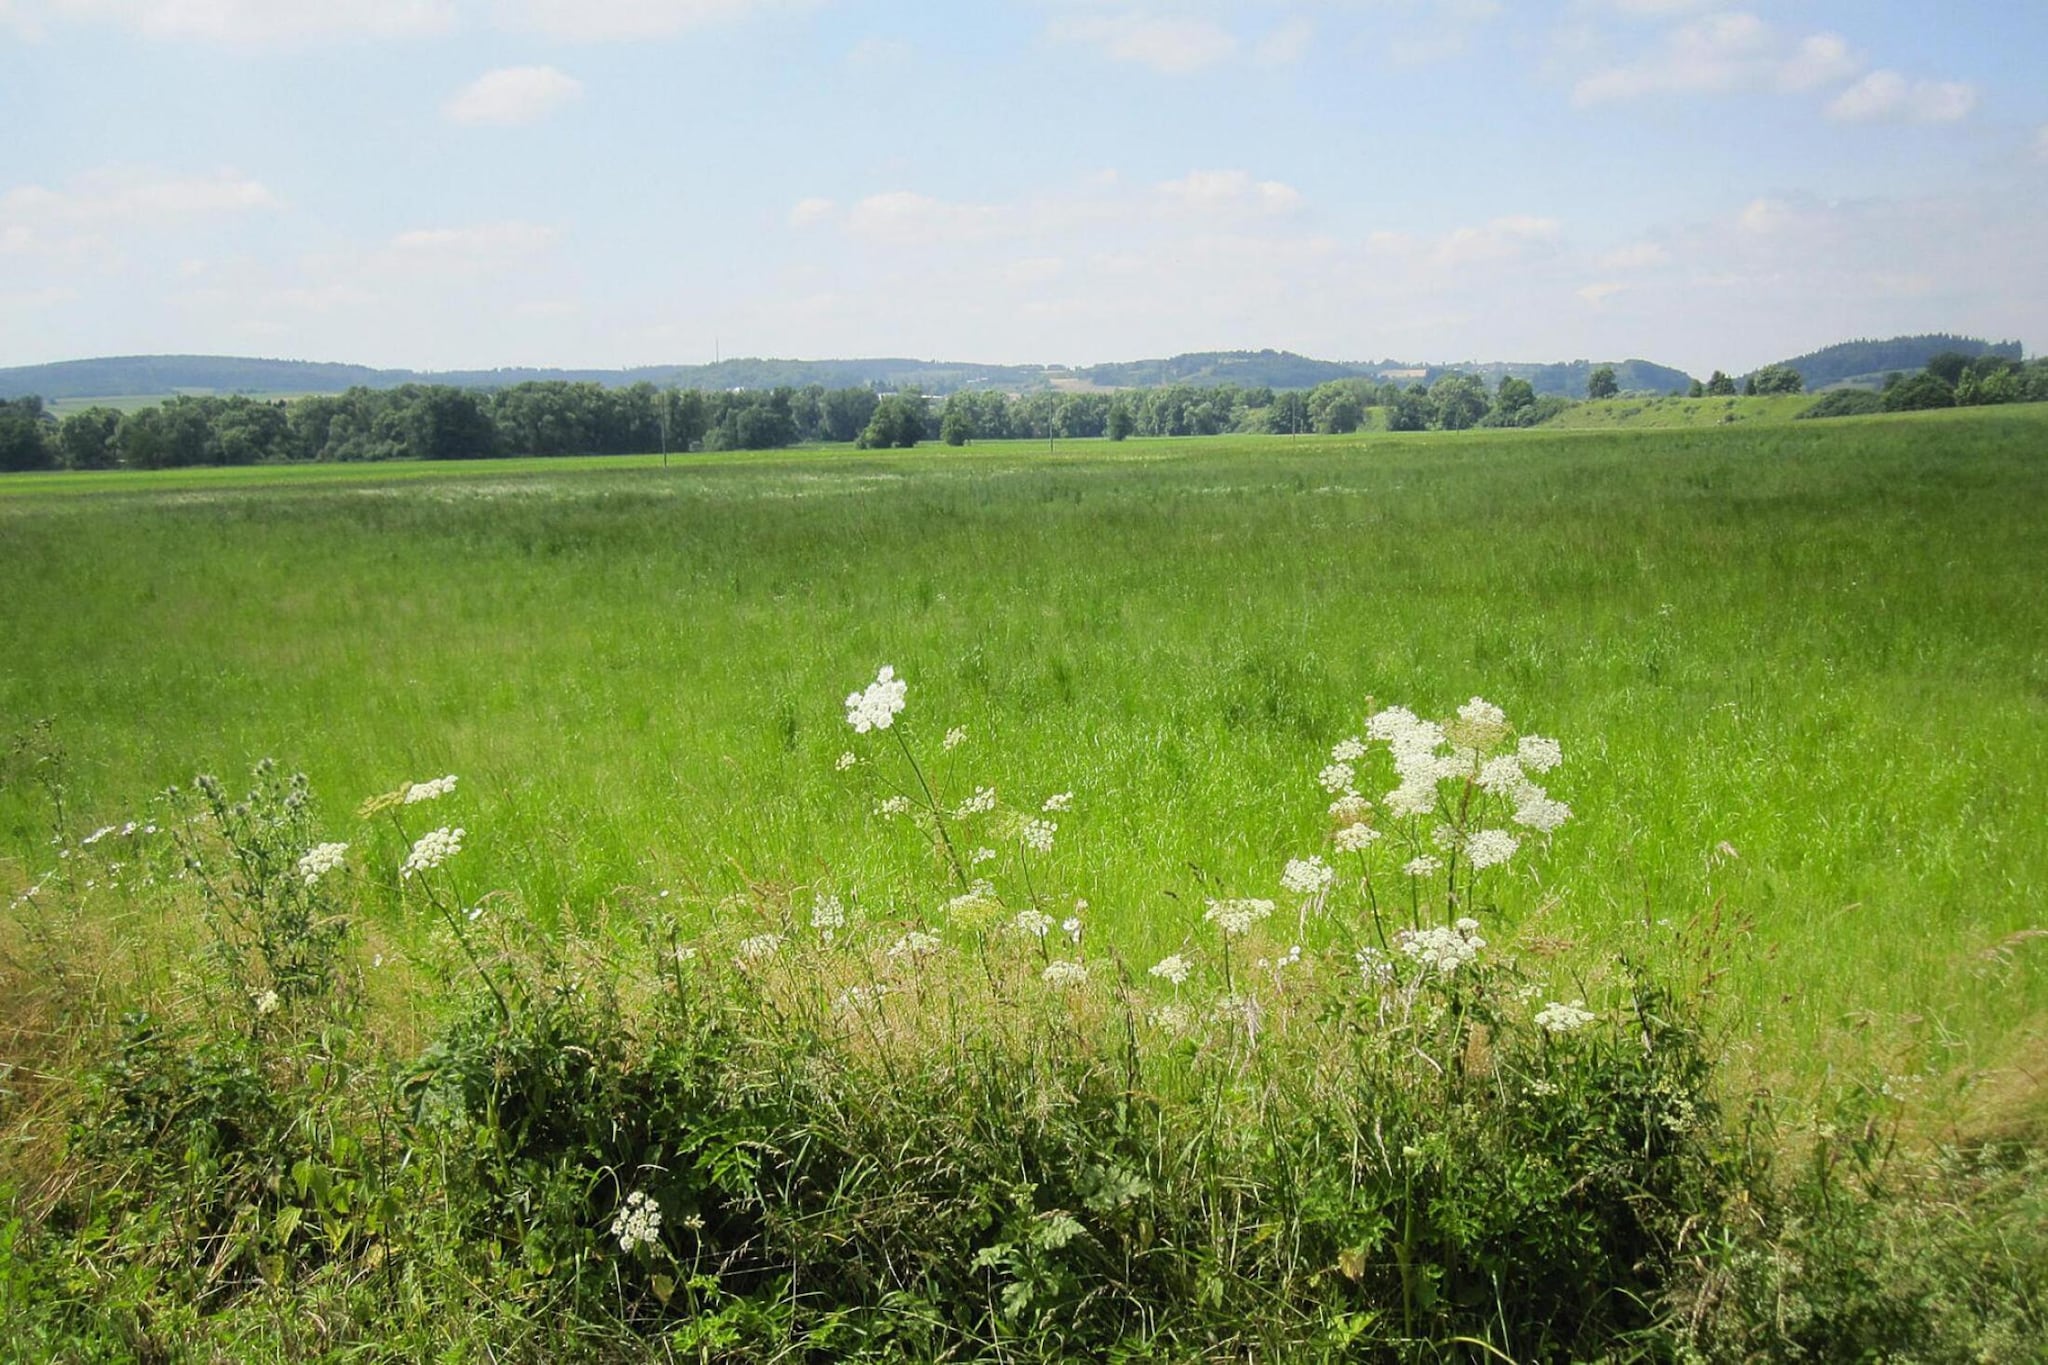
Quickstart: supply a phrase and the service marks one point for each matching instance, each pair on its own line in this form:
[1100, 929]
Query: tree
[1698, 390]
[1924, 390]
[899, 422]
[956, 426]
[1775, 380]
[1514, 405]
[1461, 401]
[23, 442]
[847, 413]
[1410, 410]
[1121, 420]
[1720, 386]
[86, 439]
[1601, 383]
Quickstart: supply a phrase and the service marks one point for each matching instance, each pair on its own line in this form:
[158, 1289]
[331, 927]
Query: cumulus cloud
[905, 218]
[1171, 46]
[1887, 96]
[1284, 45]
[807, 211]
[98, 205]
[511, 96]
[1722, 54]
[1596, 295]
[1635, 256]
[1210, 191]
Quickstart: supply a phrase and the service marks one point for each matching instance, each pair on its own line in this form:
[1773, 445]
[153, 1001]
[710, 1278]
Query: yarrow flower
[1446, 950]
[1482, 720]
[1064, 974]
[638, 1223]
[320, 860]
[955, 737]
[980, 892]
[1373, 967]
[1172, 969]
[1490, 847]
[1071, 927]
[756, 948]
[877, 707]
[1307, 876]
[1355, 838]
[416, 792]
[1059, 801]
[1411, 798]
[1502, 776]
[1037, 835]
[1558, 1020]
[1238, 916]
[432, 849]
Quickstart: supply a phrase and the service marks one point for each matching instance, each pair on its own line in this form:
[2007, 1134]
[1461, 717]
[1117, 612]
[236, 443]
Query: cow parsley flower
[1390, 724]
[1347, 751]
[638, 1224]
[1033, 923]
[416, 792]
[1307, 876]
[1428, 865]
[1338, 778]
[320, 860]
[1057, 802]
[756, 948]
[1482, 720]
[1064, 974]
[1539, 755]
[432, 849]
[877, 707]
[266, 1002]
[1558, 1020]
[916, 944]
[1490, 847]
[828, 916]
[955, 737]
[1540, 813]
[1350, 808]
[1237, 917]
[1355, 838]
[979, 893]
[981, 803]
[1071, 927]
[1411, 798]
[1373, 967]
[845, 761]
[1501, 776]
[980, 856]
[1037, 835]
[1172, 969]
[892, 806]
[1445, 950]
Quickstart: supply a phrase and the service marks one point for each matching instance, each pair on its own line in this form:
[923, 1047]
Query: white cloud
[1722, 54]
[1285, 45]
[458, 252]
[600, 20]
[263, 21]
[1171, 46]
[92, 209]
[807, 211]
[1500, 240]
[1210, 191]
[1887, 96]
[904, 218]
[1596, 295]
[1635, 256]
[512, 95]
[880, 54]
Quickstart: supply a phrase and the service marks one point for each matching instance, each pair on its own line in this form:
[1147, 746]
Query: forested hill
[1868, 362]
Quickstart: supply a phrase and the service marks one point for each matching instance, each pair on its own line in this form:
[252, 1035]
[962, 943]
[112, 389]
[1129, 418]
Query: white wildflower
[432, 789]
[1428, 865]
[1539, 755]
[638, 1224]
[102, 832]
[1172, 969]
[1482, 715]
[1465, 924]
[320, 860]
[828, 916]
[1037, 835]
[1058, 801]
[1237, 917]
[1540, 813]
[1355, 838]
[1446, 950]
[981, 803]
[1411, 798]
[1173, 1017]
[1373, 967]
[1032, 923]
[1445, 836]
[1347, 751]
[1350, 808]
[1071, 927]
[893, 806]
[266, 1002]
[756, 948]
[980, 856]
[1064, 974]
[845, 761]
[1558, 1020]
[1307, 876]
[955, 737]
[877, 707]
[1391, 723]
[1338, 778]
[1501, 776]
[432, 849]
[915, 944]
[979, 892]
[1490, 847]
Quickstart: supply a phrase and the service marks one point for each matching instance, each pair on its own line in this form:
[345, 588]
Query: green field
[1668, 414]
[1799, 672]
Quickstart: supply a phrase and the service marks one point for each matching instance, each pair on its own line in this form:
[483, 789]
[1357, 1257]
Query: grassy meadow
[1799, 674]
[1798, 671]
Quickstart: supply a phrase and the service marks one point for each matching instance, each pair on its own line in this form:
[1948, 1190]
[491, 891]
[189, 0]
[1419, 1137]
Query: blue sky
[466, 183]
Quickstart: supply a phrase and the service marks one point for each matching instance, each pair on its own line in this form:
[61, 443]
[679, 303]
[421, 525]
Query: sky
[443, 184]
